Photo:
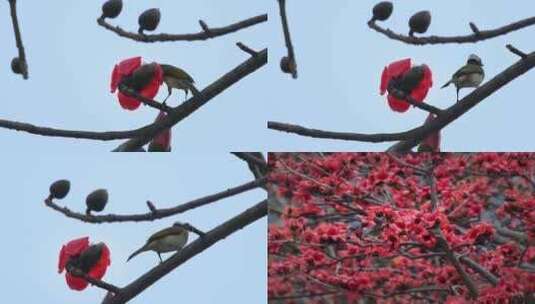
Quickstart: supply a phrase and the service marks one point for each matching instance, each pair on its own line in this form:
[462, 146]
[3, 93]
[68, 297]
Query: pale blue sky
[232, 271]
[340, 62]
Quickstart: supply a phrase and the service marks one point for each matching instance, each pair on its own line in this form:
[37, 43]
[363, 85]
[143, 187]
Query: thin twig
[99, 283]
[157, 213]
[205, 34]
[23, 64]
[287, 38]
[477, 36]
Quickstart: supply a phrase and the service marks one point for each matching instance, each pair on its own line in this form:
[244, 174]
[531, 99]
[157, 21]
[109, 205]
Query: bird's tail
[140, 250]
[191, 87]
[447, 84]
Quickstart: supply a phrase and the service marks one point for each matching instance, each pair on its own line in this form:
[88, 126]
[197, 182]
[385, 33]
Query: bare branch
[516, 51]
[199, 245]
[156, 213]
[246, 49]
[292, 64]
[205, 34]
[477, 36]
[23, 64]
[144, 100]
[99, 283]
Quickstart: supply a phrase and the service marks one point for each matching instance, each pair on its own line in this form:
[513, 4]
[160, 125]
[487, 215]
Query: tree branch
[292, 64]
[194, 103]
[101, 284]
[23, 64]
[477, 35]
[156, 213]
[146, 133]
[413, 137]
[205, 34]
[199, 245]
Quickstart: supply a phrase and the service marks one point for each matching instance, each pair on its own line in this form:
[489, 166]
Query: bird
[178, 79]
[470, 75]
[166, 240]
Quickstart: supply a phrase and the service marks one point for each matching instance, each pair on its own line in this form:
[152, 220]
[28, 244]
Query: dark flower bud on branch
[112, 8]
[16, 66]
[60, 188]
[382, 11]
[149, 20]
[96, 200]
[419, 22]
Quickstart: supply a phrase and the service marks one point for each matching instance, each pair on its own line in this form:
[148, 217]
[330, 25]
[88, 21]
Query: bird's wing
[468, 69]
[165, 232]
[176, 72]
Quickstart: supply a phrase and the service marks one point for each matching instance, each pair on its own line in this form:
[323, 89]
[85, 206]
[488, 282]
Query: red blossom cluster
[388, 228]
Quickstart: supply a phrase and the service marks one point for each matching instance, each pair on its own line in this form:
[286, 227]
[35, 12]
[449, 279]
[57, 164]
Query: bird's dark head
[474, 59]
[180, 224]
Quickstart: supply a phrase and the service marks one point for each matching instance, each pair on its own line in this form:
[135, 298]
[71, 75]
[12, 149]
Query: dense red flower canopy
[395, 72]
[124, 69]
[380, 228]
[73, 250]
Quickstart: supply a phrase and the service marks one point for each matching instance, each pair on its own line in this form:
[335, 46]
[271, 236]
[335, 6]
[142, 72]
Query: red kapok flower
[162, 141]
[90, 259]
[432, 142]
[414, 81]
[125, 69]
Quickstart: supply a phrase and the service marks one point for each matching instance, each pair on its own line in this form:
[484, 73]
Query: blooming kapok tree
[385, 228]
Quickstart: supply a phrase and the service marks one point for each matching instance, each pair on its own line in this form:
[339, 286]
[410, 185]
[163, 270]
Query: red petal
[75, 283]
[98, 271]
[127, 66]
[72, 248]
[127, 102]
[385, 78]
[124, 68]
[398, 68]
[420, 92]
[397, 105]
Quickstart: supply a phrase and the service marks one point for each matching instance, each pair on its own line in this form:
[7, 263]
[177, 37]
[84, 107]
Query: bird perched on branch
[169, 239]
[176, 78]
[470, 75]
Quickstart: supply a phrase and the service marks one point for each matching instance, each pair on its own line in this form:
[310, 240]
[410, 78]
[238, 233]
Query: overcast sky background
[340, 61]
[232, 271]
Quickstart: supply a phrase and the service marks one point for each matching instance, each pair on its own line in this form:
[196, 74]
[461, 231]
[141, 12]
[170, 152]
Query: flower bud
[96, 200]
[419, 22]
[16, 65]
[112, 8]
[60, 188]
[285, 65]
[149, 20]
[382, 11]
